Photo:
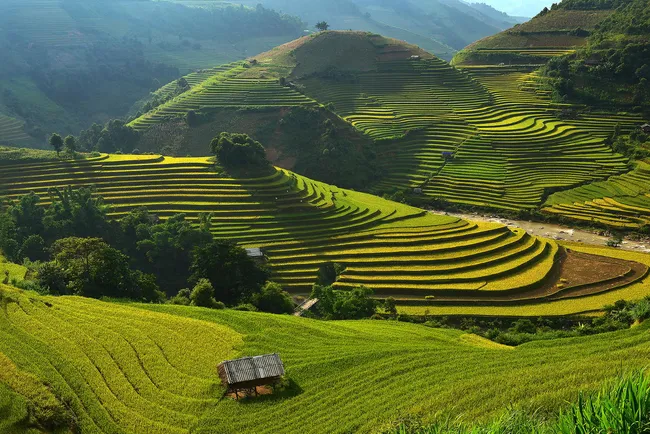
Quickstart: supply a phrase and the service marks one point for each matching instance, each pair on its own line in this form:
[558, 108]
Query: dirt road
[556, 232]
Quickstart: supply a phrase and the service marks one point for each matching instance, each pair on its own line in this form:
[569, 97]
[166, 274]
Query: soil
[576, 274]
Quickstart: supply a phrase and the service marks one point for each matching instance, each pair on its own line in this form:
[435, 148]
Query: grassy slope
[124, 369]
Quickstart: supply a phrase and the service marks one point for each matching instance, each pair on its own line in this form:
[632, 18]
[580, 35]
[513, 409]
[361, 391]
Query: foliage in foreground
[623, 408]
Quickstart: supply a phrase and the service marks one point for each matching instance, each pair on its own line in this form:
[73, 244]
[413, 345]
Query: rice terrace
[203, 234]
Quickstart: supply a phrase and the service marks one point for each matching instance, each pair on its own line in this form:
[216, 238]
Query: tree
[203, 294]
[238, 151]
[94, 269]
[273, 299]
[390, 306]
[354, 304]
[234, 276]
[322, 26]
[70, 144]
[56, 142]
[33, 248]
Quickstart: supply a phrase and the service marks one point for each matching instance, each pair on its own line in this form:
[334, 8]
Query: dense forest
[614, 68]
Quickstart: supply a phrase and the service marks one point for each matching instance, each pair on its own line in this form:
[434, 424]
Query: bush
[273, 299]
[238, 151]
[203, 294]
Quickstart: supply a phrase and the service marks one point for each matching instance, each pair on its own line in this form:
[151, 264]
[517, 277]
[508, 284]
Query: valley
[436, 221]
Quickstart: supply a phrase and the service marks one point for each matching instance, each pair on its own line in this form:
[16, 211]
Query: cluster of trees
[635, 146]
[614, 69]
[239, 151]
[327, 149]
[115, 136]
[76, 249]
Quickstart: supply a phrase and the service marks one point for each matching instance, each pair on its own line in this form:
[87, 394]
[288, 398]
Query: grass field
[124, 369]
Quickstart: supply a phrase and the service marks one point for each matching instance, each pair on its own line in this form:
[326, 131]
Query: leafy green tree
[322, 26]
[182, 298]
[390, 306]
[94, 269]
[33, 248]
[56, 142]
[53, 278]
[234, 276]
[273, 299]
[167, 250]
[328, 273]
[203, 294]
[238, 151]
[354, 304]
[70, 144]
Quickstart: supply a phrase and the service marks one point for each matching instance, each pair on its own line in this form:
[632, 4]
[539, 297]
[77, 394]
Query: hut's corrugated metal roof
[253, 368]
[255, 252]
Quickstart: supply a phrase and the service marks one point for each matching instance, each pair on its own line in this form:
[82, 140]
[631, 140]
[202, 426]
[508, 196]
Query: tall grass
[621, 408]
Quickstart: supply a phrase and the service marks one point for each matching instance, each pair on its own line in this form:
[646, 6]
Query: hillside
[440, 26]
[400, 251]
[124, 369]
[67, 64]
[488, 137]
[556, 31]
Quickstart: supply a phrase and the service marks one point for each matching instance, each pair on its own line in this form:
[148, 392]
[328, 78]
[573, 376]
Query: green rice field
[302, 224]
[135, 368]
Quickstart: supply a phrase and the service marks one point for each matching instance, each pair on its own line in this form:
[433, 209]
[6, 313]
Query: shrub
[238, 151]
[273, 299]
[203, 294]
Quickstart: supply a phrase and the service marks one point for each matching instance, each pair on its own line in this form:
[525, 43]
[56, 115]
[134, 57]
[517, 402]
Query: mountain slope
[439, 26]
[557, 31]
[67, 64]
[492, 137]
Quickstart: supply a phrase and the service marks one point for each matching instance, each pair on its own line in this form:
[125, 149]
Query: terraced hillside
[558, 31]
[125, 369]
[222, 87]
[12, 131]
[621, 201]
[487, 136]
[491, 139]
[302, 224]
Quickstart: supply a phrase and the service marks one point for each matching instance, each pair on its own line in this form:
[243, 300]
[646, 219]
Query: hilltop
[562, 29]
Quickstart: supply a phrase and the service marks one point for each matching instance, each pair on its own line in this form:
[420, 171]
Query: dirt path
[553, 231]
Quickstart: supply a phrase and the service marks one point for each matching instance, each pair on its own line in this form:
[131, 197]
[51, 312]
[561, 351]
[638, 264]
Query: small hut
[246, 374]
[447, 156]
[256, 254]
[645, 128]
[415, 57]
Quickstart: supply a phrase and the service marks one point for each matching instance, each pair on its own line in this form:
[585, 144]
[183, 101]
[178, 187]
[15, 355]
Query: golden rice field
[621, 201]
[301, 224]
[152, 368]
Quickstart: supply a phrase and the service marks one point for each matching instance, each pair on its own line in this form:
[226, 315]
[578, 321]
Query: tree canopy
[238, 151]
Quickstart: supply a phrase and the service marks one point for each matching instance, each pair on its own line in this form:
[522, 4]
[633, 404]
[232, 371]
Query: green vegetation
[618, 408]
[111, 55]
[159, 367]
[237, 151]
[614, 69]
[301, 224]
